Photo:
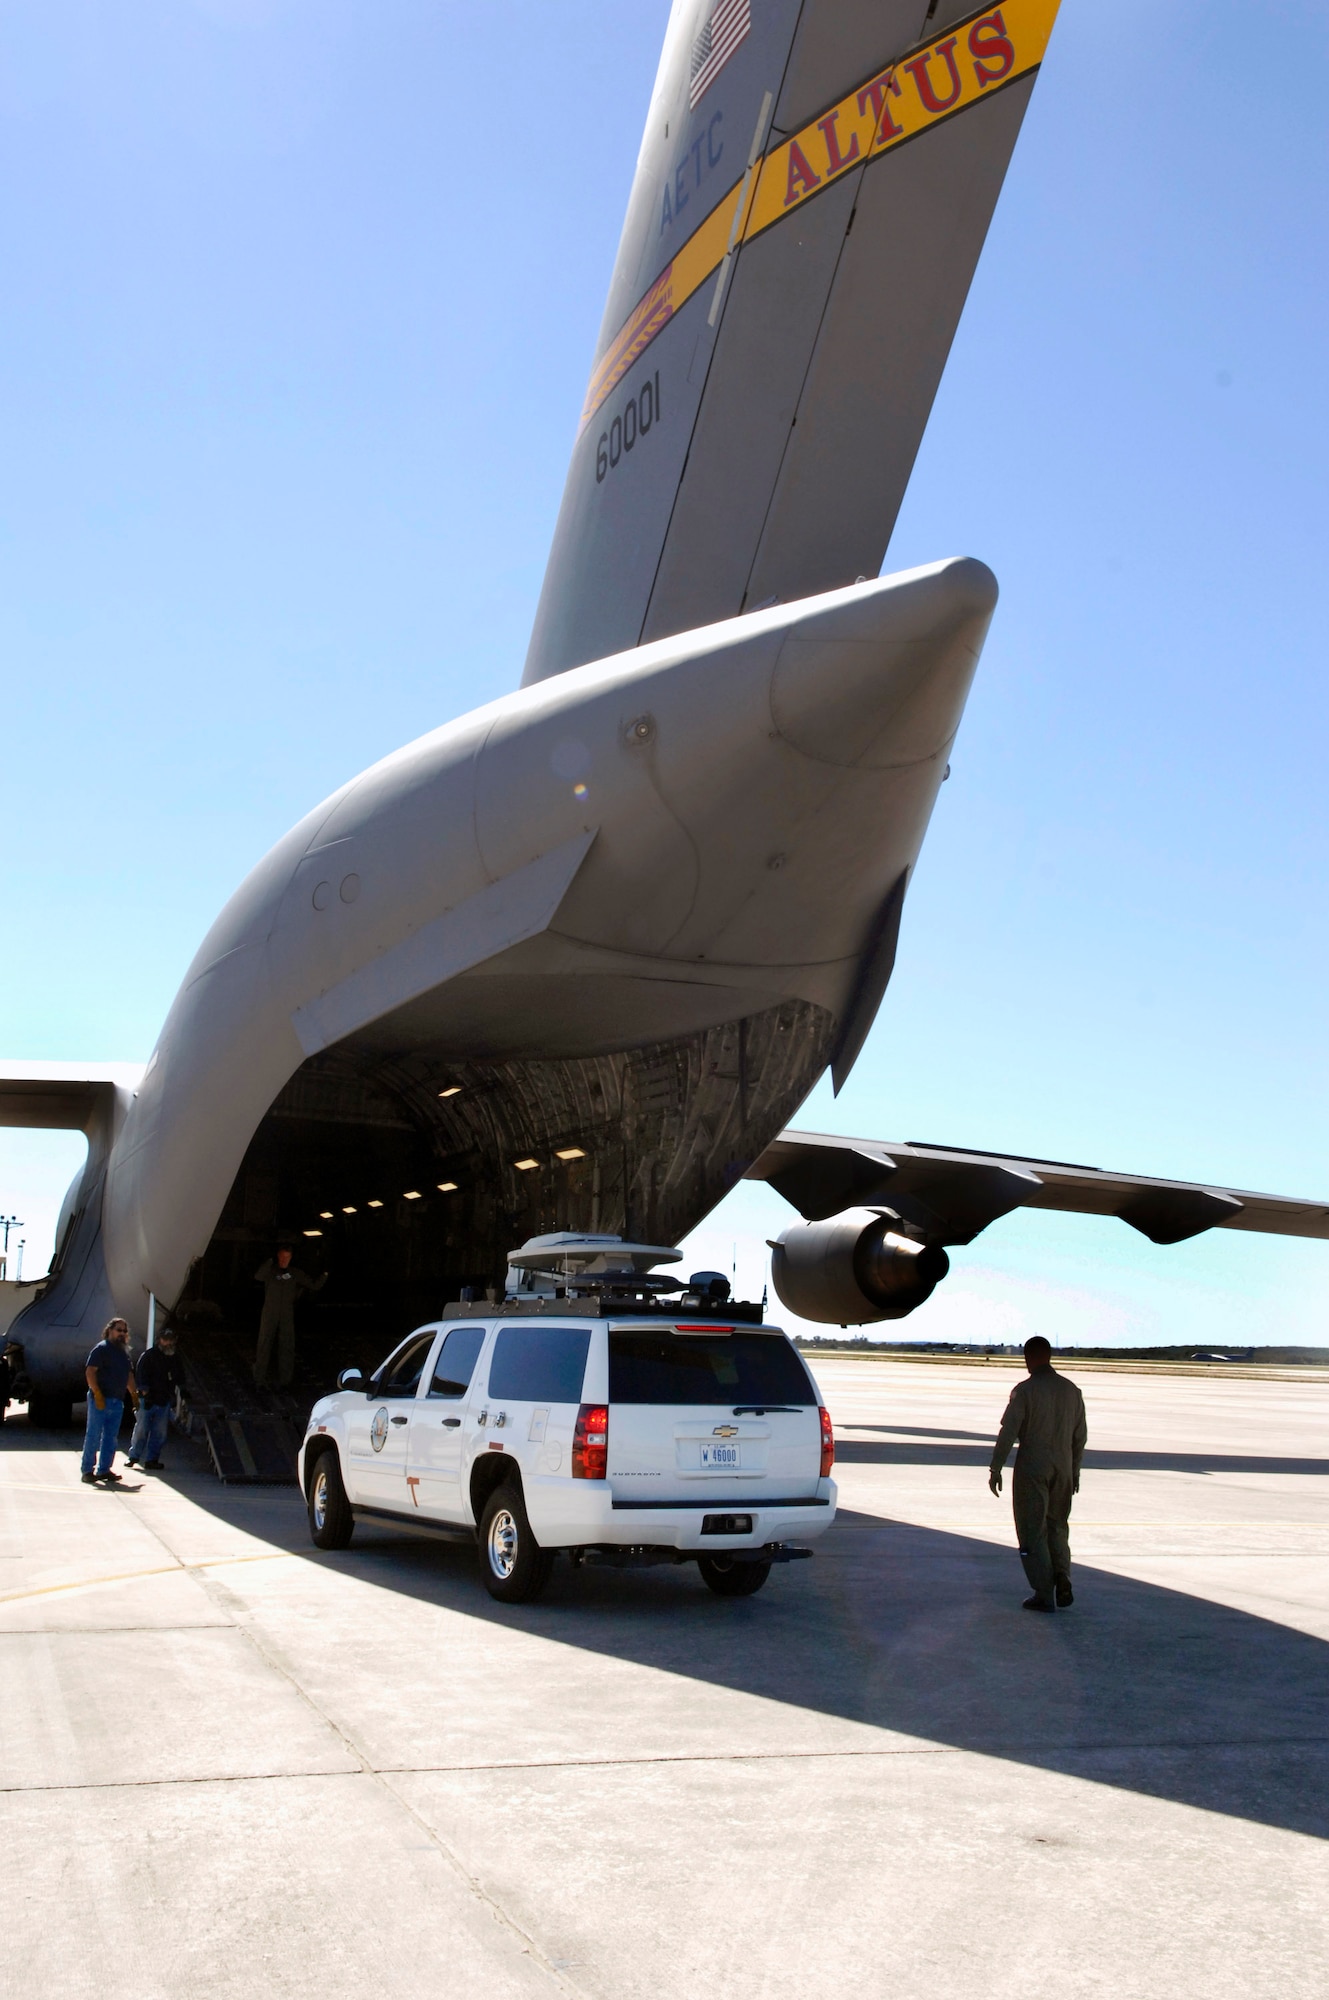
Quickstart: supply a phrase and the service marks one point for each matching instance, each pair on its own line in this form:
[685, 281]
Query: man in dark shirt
[158, 1378]
[1046, 1414]
[110, 1378]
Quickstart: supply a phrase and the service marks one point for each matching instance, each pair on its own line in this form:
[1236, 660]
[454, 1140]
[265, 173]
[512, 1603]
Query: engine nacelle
[854, 1268]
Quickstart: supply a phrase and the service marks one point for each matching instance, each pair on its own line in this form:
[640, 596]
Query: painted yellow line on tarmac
[33, 1486]
[47, 1486]
[132, 1575]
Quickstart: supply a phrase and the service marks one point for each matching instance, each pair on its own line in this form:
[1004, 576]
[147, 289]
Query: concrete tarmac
[232, 1765]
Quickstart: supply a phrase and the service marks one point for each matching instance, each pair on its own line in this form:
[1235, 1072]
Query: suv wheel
[514, 1566]
[728, 1578]
[331, 1522]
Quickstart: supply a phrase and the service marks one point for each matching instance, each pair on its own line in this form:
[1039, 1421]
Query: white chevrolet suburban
[617, 1429]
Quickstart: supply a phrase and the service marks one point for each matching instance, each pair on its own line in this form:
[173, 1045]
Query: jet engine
[854, 1268]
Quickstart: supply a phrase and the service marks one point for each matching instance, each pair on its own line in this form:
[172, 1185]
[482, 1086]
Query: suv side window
[539, 1364]
[401, 1377]
[456, 1361]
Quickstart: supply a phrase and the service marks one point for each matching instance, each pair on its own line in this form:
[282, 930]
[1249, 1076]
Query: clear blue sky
[299, 304]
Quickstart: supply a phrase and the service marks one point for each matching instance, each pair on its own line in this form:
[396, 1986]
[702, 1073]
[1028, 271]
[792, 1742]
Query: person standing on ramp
[282, 1284]
[1046, 1414]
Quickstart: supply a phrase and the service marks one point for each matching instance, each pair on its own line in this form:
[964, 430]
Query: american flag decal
[725, 28]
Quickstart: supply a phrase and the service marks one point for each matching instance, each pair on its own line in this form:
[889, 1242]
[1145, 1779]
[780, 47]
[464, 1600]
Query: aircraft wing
[947, 1194]
[815, 183]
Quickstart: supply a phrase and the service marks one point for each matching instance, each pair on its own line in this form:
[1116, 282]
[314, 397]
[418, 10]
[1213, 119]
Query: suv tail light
[590, 1442]
[827, 1443]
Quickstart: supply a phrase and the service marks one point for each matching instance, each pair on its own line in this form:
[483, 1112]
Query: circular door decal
[378, 1430]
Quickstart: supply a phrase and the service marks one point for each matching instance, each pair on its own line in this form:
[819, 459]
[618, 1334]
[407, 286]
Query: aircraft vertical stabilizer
[813, 190]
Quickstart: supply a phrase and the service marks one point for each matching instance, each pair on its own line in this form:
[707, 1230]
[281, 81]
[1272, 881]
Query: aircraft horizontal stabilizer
[947, 1195]
[61, 1097]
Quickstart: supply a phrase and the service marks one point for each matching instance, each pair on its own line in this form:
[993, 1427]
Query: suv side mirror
[351, 1378]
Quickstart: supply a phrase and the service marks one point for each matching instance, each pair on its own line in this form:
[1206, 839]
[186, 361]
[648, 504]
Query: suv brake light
[827, 1443]
[590, 1442]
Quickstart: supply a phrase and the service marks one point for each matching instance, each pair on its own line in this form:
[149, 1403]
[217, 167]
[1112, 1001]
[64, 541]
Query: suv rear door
[712, 1414]
[535, 1376]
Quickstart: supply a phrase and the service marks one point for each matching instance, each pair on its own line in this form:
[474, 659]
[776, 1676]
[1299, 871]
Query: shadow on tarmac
[918, 1631]
[924, 1447]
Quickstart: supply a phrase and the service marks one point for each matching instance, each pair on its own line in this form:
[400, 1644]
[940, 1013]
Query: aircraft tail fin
[814, 187]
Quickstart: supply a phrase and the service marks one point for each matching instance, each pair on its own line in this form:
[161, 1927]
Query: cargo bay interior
[402, 1178]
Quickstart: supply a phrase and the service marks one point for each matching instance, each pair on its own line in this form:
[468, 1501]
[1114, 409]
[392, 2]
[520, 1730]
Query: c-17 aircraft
[573, 961]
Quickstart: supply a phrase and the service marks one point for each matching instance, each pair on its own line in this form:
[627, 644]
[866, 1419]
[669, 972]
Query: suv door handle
[451, 1423]
[400, 1420]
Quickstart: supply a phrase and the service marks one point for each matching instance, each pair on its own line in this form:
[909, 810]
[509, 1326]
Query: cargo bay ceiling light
[447, 1187]
[313, 1232]
[571, 1153]
[524, 1166]
[325, 1215]
[348, 1211]
[411, 1194]
[451, 1090]
[373, 1204]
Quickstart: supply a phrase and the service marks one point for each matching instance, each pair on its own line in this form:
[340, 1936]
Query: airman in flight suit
[1046, 1414]
[282, 1285]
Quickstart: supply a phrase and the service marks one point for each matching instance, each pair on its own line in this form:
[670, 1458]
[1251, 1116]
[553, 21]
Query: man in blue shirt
[109, 1377]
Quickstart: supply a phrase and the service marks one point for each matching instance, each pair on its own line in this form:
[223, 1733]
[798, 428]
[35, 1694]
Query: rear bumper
[587, 1513]
[642, 1555]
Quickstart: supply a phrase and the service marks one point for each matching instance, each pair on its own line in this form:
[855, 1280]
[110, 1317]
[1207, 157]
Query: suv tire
[331, 1522]
[728, 1578]
[514, 1566]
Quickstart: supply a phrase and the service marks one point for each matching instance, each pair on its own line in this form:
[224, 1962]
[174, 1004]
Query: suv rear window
[539, 1364]
[655, 1366]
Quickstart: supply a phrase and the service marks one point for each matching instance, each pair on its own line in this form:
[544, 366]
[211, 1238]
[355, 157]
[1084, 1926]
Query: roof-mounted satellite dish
[588, 1262]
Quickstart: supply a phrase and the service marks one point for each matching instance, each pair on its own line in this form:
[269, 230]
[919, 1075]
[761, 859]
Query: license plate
[720, 1458]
